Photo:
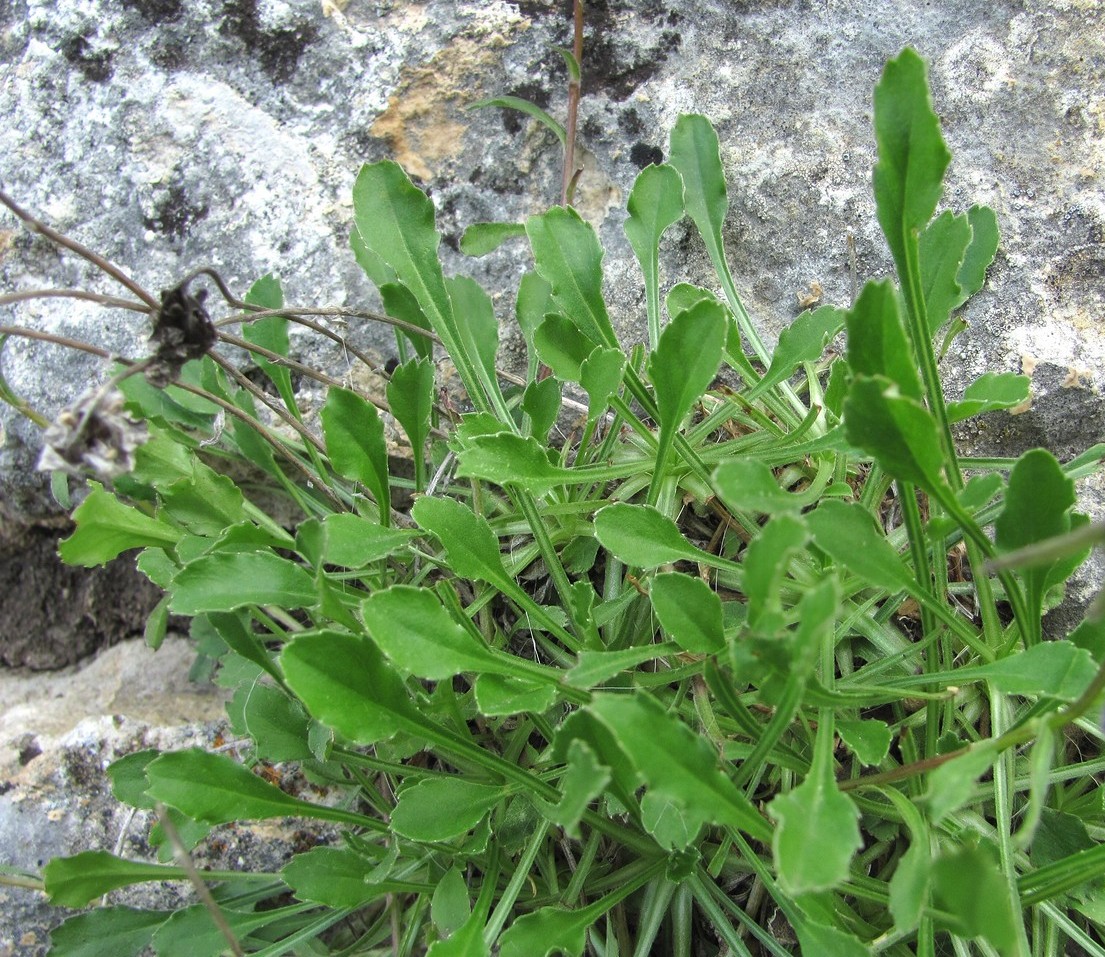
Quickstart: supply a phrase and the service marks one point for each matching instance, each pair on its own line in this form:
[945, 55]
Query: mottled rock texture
[168, 135]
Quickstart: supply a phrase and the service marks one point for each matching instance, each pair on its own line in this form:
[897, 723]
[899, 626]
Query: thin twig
[113, 302]
[60, 239]
[184, 859]
[260, 395]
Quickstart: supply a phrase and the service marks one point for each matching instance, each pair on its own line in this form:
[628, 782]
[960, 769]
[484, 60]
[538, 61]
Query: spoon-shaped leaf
[909, 176]
[568, 256]
[356, 446]
[681, 369]
[410, 626]
[655, 203]
[345, 682]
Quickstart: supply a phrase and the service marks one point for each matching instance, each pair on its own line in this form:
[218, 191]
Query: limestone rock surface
[168, 135]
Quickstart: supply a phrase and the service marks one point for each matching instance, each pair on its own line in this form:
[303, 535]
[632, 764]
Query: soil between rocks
[53, 615]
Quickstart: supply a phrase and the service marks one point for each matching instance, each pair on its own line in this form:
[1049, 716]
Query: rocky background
[169, 134]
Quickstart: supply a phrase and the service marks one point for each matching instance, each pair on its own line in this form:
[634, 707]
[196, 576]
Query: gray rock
[168, 135]
[59, 733]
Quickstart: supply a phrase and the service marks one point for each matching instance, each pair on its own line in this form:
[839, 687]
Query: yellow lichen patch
[424, 123]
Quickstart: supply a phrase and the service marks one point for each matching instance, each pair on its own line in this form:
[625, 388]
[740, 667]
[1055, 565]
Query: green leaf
[683, 295]
[541, 402]
[980, 253]
[410, 395]
[952, 784]
[868, 740]
[511, 460]
[524, 106]
[466, 942]
[681, 369]
[655, 203]
[601, 377]
[471, 547]
[533, 304]
[748, 484]
[442, 807]
[190, 932]
[240, 638]
[877, 341]
[450, 905]
[818, 832]
[817, 938]
[696, 154]
[356, 446]
[399, 303]
[804, 340]
[686, 360]
[475, 316]
[546, 931]
[353, 542]
[847, 533]
[584, 780]
[107, 932]
[500, 695]
[277, 723]
[223, 581]
[912, 156]
[989, 392]
[909, 886]
[568, 256]
[106, 527]
[897, 431]
[205, 502]
[641, 536]
[217, 790]
[942, 248]
[968, 885]
[410, 626]
[563, 347]
[765, 565]
[675, 763]
[1038, 500]
[479, 239]
[270, 333]
[396, 221]
[1057, 669]
[157, 625]
[334, 876]
[345, 682]
[689, 611]
[594, 667]
[76, 881]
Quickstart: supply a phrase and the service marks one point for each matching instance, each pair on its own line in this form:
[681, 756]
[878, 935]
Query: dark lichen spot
[630, 123]
[173, 214]
[277, 51]
[157, 11]
[169, 53]
[95, 65]
[609, 68]
[641, 154]
[532, 92]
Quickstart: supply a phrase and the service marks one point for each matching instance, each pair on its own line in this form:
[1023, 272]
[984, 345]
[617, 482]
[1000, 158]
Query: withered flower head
[182, 330]
[93, 436]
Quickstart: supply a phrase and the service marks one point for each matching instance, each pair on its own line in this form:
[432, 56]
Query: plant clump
[732, 670]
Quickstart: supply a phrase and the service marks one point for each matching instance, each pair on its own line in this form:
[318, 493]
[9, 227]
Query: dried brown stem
[110, 301]
[184, 859]
[36, 226]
